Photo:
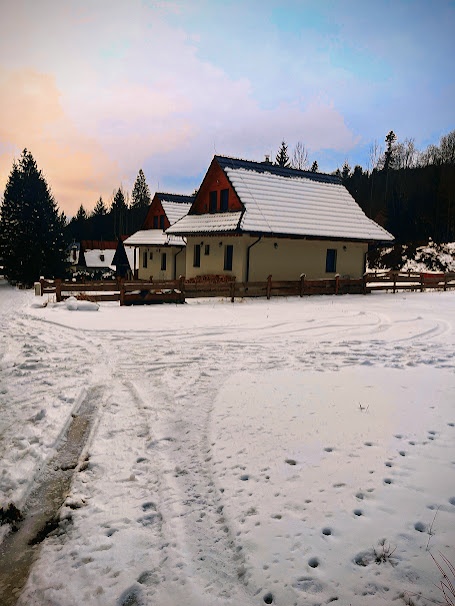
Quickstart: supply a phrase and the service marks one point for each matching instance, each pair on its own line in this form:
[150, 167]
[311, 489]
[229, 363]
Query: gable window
[207, 250]
[224, 200]
[197, 255]
[213, 201]
[162, 222]
[228, 255]
[144, 259]
[155, 222]
[163, 261]
[331, 261]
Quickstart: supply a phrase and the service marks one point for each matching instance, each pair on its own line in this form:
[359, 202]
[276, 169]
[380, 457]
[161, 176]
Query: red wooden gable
[155, 210]
[215, 181]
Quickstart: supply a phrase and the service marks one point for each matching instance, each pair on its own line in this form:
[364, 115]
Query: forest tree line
[409, 192]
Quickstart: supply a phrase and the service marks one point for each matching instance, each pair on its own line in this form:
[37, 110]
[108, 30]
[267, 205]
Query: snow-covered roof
[99, 258]
[153, 237]
[213, 222]
[300, 206]
[285, 201]
[175, 210]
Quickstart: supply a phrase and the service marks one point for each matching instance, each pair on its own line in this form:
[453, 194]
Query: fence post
[422, 279]
[394, 281]
[269, 286]
[182, 284]
[445, 282]
[337, 283]
[58, 290]
[232, 291]
[122, 293]
[364, 283]
[302, 285]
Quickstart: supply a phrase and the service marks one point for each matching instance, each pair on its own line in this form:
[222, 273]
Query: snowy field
[297, 451]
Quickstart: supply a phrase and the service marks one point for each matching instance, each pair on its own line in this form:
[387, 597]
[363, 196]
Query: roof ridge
[276, 169]
[165, 193]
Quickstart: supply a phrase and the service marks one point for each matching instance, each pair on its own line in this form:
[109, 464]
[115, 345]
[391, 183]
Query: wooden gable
[216, 193]
[156, 217]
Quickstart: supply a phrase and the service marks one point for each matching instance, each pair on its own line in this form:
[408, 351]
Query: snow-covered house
[96, 258]
[253, 219]
[157, 254]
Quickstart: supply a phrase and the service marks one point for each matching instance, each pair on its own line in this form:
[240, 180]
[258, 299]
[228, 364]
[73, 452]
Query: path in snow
[151, 519]
[39, 515]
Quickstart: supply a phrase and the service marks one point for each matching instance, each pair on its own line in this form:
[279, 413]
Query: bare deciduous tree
[374, 154]
[300, 157]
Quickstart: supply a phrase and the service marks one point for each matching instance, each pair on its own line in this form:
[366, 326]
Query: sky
[97, 90]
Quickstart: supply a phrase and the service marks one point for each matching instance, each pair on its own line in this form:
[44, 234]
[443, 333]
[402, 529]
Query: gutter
[248, 257]
[182, 248]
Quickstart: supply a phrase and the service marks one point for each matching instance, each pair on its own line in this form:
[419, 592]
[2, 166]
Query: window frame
[224, 200]
[228, 257]
[213, 201]
[163, 261]
[331, 261]
[197, 255]
[144, 259]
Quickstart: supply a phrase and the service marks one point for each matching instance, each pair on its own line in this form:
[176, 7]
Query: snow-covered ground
[242, 454]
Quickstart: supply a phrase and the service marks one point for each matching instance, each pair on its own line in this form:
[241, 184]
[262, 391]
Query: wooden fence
[176, 291]
[397, 281]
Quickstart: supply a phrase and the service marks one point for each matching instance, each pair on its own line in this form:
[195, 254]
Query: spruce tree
[389, 152]
[119, 213]
[314, 167]
[141, 193]
[140, 201]
[100, 209]
[282, 157]
[32, 241]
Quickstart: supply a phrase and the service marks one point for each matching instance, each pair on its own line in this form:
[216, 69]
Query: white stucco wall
[174, 255]
[283, 258]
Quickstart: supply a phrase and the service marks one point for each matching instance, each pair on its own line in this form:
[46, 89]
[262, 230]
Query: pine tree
[100, 209]
[32, 241]
[282, 157]
[389, 152]
[141, 192]
[119, 213]
[314, 167]
[99, 223]
[81, 214]
[345, 171]
[140, 201]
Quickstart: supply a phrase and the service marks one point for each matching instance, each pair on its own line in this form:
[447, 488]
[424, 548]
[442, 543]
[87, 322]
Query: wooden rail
[176, 291]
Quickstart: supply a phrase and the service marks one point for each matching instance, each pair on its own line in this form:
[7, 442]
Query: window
[331, 261]
[151, 256]
[144, 259]
[224, 200]
[155, 222]
[213, 201]
[162, 222]
[207, 250]
[163, 261]
[197, 255]
[228, 254]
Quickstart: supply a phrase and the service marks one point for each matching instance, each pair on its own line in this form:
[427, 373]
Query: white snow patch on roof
[99, 258]
[175, 210]
[210, 222]
[301, 206]
[153, 237]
